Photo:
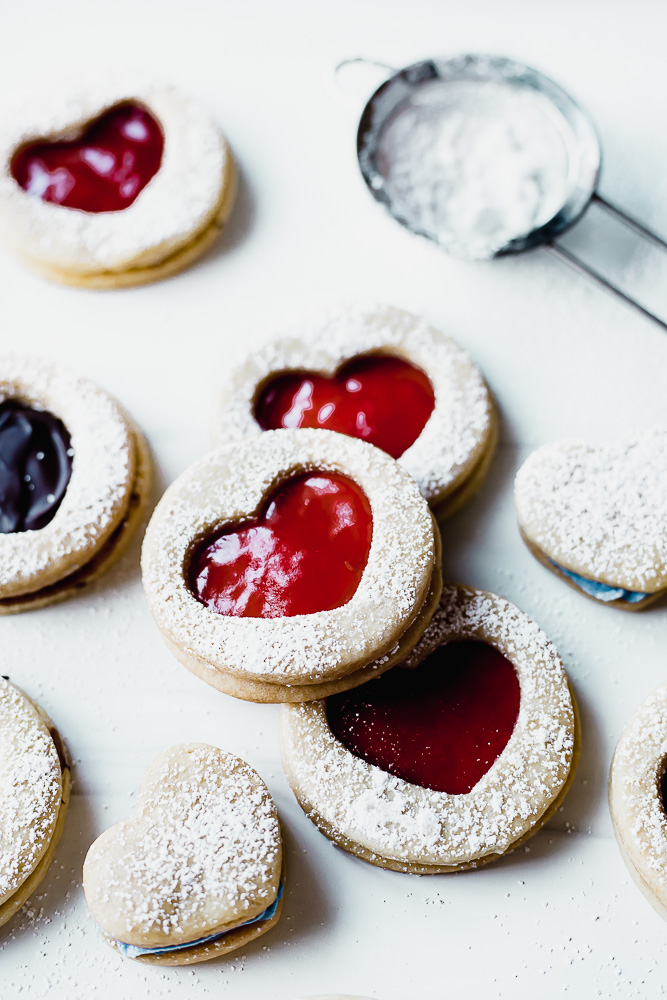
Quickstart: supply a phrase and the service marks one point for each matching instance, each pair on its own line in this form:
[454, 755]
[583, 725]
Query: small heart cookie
[292, 565]
[34, 795]
[637, 797]
[74, 481]
[119, 182]
[197, 871]
[382, 375]
[596, 516]
[452, 758]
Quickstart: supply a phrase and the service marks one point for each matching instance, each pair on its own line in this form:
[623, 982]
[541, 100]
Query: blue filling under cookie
[601, 591]
[133, 951]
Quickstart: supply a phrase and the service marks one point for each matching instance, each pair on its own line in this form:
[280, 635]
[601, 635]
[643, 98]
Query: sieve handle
[374, 64]
[583, 268]
[630, 221]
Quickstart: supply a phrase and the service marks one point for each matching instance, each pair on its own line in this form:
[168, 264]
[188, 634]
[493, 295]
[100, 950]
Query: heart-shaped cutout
[201, 858]
[305, 552]
[379, 398]
[440, 725]
[102, 170]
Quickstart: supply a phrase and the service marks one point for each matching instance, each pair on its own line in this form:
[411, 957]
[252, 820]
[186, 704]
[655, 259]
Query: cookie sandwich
[119, 181]
[36, 791]
[74, 480]
[596, 516]
[197, 872]
[291, 564]
[451, 759]
[638, 797]
[380, 374]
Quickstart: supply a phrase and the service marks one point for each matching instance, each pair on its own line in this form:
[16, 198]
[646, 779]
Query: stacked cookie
[300, 561]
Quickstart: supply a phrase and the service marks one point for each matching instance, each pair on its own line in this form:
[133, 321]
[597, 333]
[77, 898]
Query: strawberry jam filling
[305, 552]
[102, 170]
[379, 398]
[440, 726]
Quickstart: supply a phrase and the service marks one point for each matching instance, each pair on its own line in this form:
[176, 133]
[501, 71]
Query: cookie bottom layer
[26, 889]
[553, 567]
[230, 941]
[266, 693]
[417, 868]
[110, 552]
[452, 502]
[177, 261]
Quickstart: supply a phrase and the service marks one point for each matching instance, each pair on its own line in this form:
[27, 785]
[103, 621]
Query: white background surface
[563, 359]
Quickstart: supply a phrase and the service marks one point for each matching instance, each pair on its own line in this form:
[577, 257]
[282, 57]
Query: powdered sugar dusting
[30, 788]
[349, 798]
[600, 511]
[228, 486]
[179, 200]
[202, 852]
[103, 472]
[635, 799]
[459, 428]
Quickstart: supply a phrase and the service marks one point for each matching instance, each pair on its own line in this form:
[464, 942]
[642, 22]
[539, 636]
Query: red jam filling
[102, 170]
[381, 399]
[441, 725]
[663, 791]
[306, 552]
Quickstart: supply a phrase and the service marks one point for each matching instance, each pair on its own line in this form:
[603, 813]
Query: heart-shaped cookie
[102, 170]
[305, 552]
[339, 631]
[34, 795]
[74, 481]
[197, 871]
[596, 516]
[380, 374]
[637, 789]
[411, 784]
[118, 183]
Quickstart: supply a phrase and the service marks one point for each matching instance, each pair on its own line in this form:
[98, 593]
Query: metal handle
[583, 268]
[375, 64]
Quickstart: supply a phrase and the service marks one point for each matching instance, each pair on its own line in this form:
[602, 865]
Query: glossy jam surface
[441, 725]
[382, 399]
[35, 466]
[306, 552]
[102, 170]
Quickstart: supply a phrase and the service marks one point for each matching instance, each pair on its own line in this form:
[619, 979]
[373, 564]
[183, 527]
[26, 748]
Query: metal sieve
[420, 97]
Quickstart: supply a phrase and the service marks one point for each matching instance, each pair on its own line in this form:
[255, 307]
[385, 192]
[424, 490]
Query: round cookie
[596, 516]
[120, 182]
[450, 760]
[381, 374]
[296, 636]
[637, 790]
[197, 872]
[35, 779]
[74, 481]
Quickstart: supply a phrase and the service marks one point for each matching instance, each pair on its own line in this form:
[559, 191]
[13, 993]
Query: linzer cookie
[74, 478]
[382, 375]
[118, 183]
[596, 516]
[35, 795]
[291, 565]
[451, 759]
[197, 872]
[638, 797]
